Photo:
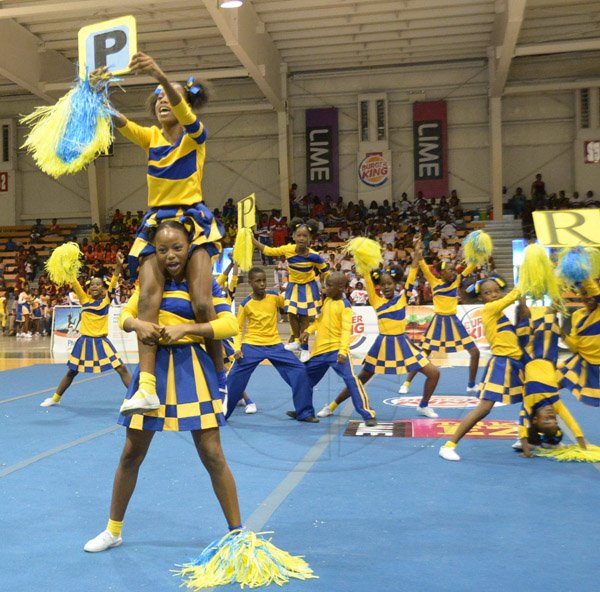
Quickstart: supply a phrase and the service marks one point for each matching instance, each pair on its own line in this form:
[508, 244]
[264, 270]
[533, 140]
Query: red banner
[430, 148]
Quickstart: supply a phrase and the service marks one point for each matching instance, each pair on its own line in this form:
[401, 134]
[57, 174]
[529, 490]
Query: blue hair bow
[476, 287]
[192, 87]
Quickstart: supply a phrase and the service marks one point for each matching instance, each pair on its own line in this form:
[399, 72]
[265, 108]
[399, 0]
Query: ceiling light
[230, 3]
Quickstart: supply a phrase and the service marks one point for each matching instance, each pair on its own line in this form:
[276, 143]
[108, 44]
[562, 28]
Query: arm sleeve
[410, 280]
[566, 416]
[225, 325]
[314, 326]
[524, 331]
[237, 340]
[280, 301]
[572, 340]
[137, 134]
[524, 421]
[323, 268]
[222, 281]
[374, 299]
[233, 282]
[496, 308]
[189, 120]
[79, 291]
[346, 331]
[433, 281]
[278, 251]
[130, 310]
[467, 271]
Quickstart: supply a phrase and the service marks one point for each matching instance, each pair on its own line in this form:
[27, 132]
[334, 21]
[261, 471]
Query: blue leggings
[289, 368]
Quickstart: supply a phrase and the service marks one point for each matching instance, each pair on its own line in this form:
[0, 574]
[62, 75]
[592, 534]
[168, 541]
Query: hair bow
[192, 86]
[476, 287]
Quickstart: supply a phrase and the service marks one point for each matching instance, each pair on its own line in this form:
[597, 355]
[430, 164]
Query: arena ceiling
[541, 44]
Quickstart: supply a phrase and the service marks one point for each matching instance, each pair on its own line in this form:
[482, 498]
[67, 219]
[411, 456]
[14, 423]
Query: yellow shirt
[499, 331]
[585, 328]
[174, 170]
[333, 327]
[445, 295]
[260, 318]
[2, 305]
[94, 313]
[229, 286]
[301, 267]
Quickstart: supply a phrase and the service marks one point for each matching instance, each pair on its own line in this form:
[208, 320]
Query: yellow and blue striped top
[391, 314]
[174, 170]
[585, 328]
[498, 330]
[445, 294]
[333, 327]
[94, 313]
[302, 268]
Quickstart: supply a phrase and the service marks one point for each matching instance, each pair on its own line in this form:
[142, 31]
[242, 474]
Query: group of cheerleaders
[181, 318]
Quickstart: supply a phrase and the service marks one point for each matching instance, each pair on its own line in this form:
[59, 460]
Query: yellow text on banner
[246, 209]
[568, 228]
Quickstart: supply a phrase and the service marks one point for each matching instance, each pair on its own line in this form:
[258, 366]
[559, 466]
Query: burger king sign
[373, 171]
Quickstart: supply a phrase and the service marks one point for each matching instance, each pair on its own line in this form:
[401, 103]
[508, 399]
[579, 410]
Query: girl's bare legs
[413, 373]
[208, 445]
[473, 417]
[65, 383]
[123, 372]
[294, 326]
[432, 376]
[473, 366]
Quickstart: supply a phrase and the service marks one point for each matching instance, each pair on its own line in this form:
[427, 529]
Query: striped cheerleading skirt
[446, 334]
[187, 387]
[303, 299]
[502, 380]
[394, 354]
[582, 379]
[93, 354]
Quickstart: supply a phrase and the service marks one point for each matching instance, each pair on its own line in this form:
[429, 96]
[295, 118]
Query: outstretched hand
[144, 64]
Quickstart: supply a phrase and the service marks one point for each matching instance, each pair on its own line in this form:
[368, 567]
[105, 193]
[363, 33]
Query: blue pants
[318, 366]
[290, 368]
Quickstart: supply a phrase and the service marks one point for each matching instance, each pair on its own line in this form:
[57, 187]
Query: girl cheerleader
[393, 352]
[302, 295]
[23, 312]
[176, 153]
[581, 372]
[503, 377]
[445, 332]
[188, 390]
[93, 351]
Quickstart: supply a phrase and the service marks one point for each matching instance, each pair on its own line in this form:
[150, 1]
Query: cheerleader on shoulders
[93, 351]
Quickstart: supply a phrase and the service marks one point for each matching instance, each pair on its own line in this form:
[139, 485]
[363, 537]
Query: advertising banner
[322, 152]
[374, 175]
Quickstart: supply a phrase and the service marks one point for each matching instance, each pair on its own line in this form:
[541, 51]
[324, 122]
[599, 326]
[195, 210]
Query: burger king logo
[373, 170]
[458, 401]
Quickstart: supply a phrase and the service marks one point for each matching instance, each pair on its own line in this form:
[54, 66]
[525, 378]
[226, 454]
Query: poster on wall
[374, 175]
[430, 148]
[591, 152]
[322, 152]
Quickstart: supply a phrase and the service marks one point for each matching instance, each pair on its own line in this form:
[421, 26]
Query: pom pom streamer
[243, 249]
[478, 247]
[536, 275]
[67, 136]
[594, 255]
[64, 264]
[571, 453]
[574, 266]
[365, 252]
[243, 557]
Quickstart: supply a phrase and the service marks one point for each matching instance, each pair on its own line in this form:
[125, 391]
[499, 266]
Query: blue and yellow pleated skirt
[502, 380]
[447, 334]
[303, 299]
[394, 354]
[187, 387]
[582, 379]
[228, 352]
[93, 354]
[203, 228]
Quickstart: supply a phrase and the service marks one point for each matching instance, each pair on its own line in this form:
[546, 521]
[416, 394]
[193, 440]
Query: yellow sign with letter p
[246, 209]
[568, 228]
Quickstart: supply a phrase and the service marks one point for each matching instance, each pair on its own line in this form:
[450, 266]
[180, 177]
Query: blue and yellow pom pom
[536, 275]
[574, 266]
[67, 136]
[478, 247]
[594, 255]
[571, 453]
[246, 558]
[243, 248]
[64, 264]
[365, 252]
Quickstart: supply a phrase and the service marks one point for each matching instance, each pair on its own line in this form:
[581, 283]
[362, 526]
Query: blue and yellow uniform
[186, 380]
[228, 287]
[445, 332]
[334, 329]
[538, 337]
[302, 295]
[3, 314]
[503, 377]
[261, 341]
[581, 372]
[93, 351]
[392, 352]
[174, 183]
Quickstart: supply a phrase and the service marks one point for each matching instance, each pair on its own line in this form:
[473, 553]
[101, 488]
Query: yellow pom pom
[571, 453]
[365, 252]
[594, 254]
[64, 264]
[243, 249]
[478, 247]
[536, 275]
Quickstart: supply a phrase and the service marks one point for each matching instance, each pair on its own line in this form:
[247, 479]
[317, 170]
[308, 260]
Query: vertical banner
[430, 148]
[322, 152]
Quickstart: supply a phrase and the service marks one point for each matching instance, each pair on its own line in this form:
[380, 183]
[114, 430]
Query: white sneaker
[251, 408]
[427, 412]
[517, 445]
[325, 412]
[105, 540]
[403, 389]
[293, 346]
[49, 402]
[304, 356]
[137, 404]
[473, 389]
[448, 453]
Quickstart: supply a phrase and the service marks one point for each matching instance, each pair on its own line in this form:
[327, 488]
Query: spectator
[359, 296]
[10, 245]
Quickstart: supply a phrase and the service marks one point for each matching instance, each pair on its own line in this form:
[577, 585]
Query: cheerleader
[446, 333]
[393, 352]
[503, 378]
[581, 372]
[538, 421]
[93, 351]
[176, 153]
[302, 296]
[23, 312]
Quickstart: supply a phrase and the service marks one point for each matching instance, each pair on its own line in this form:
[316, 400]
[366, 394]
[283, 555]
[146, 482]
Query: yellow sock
[406, 383]
[114, 527]
[333, 405]
[56, 397]
[148, 382]
[449, 444]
